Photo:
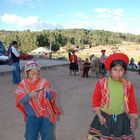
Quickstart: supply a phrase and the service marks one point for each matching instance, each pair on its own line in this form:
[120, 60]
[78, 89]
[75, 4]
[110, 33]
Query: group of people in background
[96, 65]
[133, 66]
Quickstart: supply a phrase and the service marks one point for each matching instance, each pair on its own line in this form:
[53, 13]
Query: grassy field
[131, 49]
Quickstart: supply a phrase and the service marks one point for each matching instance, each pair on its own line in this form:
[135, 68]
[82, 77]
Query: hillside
[129, 48]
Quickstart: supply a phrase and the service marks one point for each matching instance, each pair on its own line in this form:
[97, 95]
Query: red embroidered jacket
[101, 98]
[42, 106]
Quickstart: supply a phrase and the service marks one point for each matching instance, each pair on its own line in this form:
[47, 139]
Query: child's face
[117, 72]
[33, 75]
[103, 53]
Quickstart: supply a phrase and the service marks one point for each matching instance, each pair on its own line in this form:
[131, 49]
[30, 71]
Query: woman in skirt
[73, 63]
[114, 103]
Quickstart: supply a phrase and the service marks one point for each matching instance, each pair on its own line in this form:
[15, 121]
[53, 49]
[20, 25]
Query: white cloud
[101, 19]
[102, 10]
[20, 21]
[116, 20]
[118, 12]
[111, 20]
[112, 12]
[107, 19]
[31, 22]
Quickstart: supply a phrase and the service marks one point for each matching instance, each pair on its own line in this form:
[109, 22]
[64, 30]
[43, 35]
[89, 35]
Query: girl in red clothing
[73, 63]
[114, 103]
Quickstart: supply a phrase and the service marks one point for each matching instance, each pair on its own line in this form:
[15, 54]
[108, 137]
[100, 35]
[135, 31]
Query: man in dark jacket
[15, 57]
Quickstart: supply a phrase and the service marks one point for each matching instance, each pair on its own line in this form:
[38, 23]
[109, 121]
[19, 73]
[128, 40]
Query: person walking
[114, 103]
[15, 58]
[36, 99]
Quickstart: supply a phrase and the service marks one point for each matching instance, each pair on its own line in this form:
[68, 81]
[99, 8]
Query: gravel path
[74, 99]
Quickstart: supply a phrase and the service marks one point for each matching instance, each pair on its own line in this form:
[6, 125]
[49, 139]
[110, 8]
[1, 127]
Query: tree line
[30, 40]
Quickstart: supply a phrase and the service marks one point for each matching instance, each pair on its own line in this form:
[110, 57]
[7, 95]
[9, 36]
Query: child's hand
[47, 89]
[132, 124]
[33, 94]
[101, 119]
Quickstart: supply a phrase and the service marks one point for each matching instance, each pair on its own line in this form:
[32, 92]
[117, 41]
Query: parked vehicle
[4, 59]
[25, 56]
[2, 48]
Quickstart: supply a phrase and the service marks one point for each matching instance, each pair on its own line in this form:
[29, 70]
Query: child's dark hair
[119, 62]
[14, 43]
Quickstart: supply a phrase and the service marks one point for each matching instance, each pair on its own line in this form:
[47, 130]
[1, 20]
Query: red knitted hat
[116, 56]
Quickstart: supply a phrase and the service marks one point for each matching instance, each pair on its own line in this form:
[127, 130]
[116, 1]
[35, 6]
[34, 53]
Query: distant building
[41, 52]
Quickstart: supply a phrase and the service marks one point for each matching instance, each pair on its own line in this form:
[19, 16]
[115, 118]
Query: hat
[116, 56]
[103, 50]
[31, 65]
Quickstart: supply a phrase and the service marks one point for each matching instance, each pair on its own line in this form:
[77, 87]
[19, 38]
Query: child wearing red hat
[114, 103]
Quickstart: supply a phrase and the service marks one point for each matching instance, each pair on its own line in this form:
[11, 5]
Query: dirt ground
[74, 99]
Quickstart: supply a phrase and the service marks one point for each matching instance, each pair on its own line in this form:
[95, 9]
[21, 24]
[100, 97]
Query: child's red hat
[103, 50]
[116, 56]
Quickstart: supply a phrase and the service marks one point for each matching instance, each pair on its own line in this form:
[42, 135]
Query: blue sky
[36, 15]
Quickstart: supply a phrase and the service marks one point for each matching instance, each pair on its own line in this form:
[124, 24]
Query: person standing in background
[73, 63]
[15, 58]
[86, 68]
[102, 68]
